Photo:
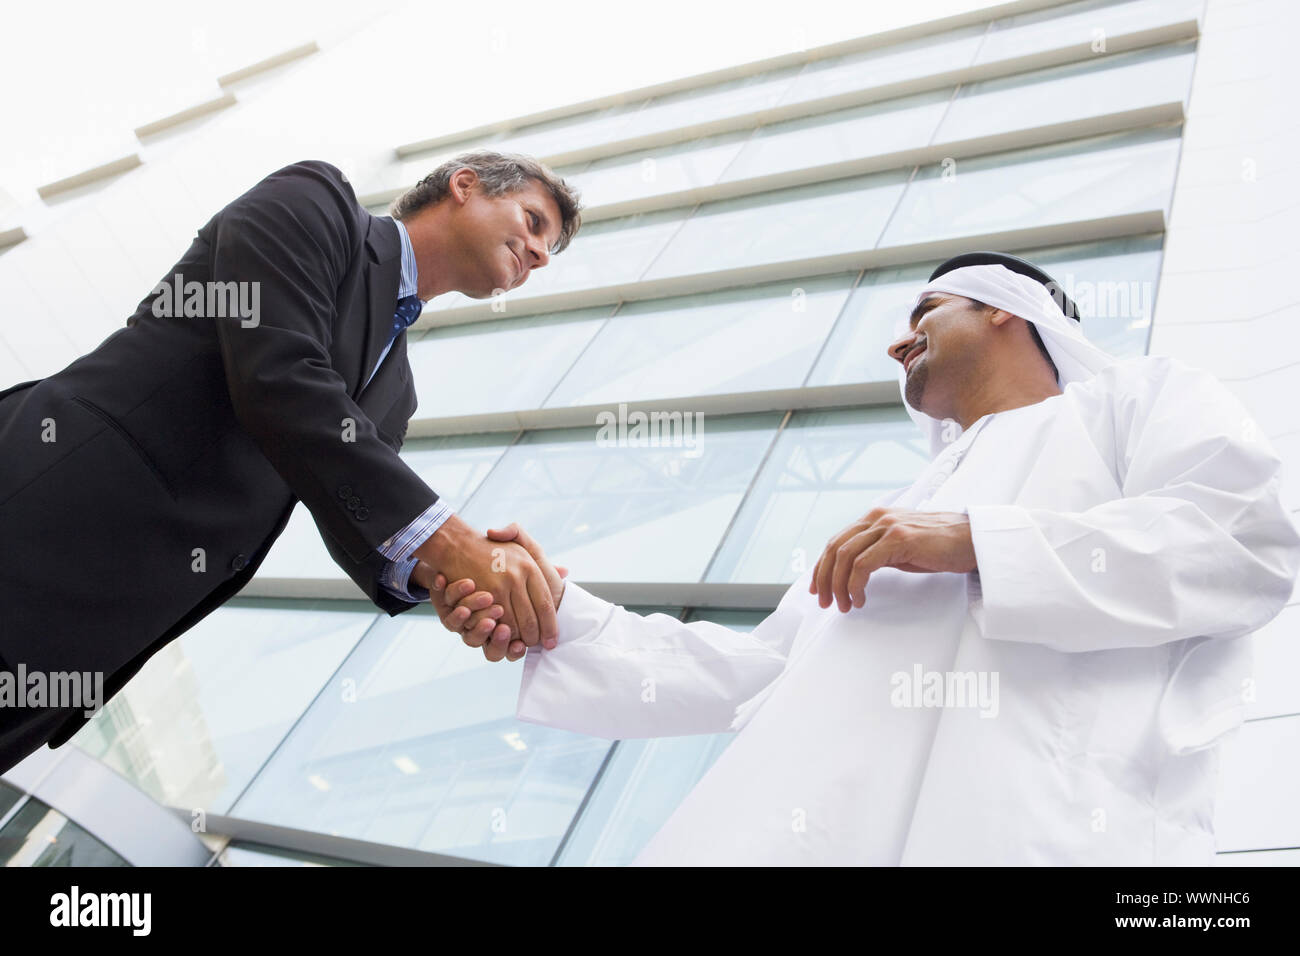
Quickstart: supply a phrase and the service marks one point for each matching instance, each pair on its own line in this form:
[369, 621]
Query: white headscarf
[1076, 358]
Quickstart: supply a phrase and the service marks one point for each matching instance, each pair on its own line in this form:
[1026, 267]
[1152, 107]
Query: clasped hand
[487, 614]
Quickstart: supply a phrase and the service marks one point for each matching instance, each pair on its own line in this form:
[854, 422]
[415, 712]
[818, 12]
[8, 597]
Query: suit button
[353, 502]
[345, 492]
[239, 562]
[363, 514]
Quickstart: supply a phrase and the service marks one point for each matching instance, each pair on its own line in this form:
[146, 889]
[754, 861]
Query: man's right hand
[472, 614]
[503, 568]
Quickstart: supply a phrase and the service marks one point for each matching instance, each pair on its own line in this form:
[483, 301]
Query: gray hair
[499, 173]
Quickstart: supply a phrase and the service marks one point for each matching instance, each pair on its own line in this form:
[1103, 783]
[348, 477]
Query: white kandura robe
[1129, 538]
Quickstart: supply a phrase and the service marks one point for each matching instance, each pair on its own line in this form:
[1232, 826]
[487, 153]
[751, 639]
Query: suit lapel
[383, 275]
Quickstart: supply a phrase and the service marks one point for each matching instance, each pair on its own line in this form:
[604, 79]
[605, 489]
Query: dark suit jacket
[187, 433]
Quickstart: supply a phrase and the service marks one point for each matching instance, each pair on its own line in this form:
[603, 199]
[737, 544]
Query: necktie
[408, 310]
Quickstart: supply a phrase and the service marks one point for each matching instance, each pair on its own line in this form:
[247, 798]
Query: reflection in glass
[38, 835]
[654, 172]
[506, 365]
[634, 501]
[1092, 88]
[571, 132]
[739, 340]
[204, 713]
[416, 745]
[825, 471]
[703, 104]
[841, 136]
[1089, 179]
[822, 219]
[8, 797]
[834, 76]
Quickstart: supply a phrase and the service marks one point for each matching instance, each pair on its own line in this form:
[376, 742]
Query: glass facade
[329, 716]
[38, 835]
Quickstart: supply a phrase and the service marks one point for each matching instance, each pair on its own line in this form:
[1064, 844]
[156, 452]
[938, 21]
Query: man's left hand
[923, 541]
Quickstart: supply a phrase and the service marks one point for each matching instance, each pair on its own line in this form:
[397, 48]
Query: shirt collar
[410, 281]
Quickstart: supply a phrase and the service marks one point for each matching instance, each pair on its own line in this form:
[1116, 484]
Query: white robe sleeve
[618, 675]
[1199, 545]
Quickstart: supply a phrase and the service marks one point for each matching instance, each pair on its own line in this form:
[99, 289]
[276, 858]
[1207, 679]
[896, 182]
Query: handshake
[498, 592]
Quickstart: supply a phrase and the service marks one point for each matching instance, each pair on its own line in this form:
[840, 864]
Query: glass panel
[769, 335]
[8, 797]
[825, 471]
[892, 64]
[572, 132]
[1091, 179]
[204, 713]
[1113, 283]
[1087, 22]
[855, 351]
[451, 465]
[631, 500]
[603, 253]
[645, 781]
[654, 172]
[416, 745]
[703, 104]
[842, 135]
[455, 367]
[39, 835]
[1092, 88]
[823, 219]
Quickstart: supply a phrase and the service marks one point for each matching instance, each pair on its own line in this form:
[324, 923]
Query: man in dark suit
[143, 484]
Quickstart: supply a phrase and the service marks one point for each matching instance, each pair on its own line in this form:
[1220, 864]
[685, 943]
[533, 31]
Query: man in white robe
[1053, 692]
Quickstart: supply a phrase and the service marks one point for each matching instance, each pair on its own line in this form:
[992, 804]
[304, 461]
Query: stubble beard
[915, 387]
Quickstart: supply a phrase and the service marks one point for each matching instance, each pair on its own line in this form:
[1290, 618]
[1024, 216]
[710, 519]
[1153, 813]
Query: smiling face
[500, 240]
[942, 352]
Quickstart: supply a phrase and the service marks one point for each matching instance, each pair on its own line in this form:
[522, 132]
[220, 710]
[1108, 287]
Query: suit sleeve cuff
[400, 550]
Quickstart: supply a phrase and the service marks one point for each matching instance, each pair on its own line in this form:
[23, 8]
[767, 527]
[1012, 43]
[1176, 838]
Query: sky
[79, 76]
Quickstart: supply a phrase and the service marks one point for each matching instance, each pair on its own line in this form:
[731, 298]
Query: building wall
[1226, 304]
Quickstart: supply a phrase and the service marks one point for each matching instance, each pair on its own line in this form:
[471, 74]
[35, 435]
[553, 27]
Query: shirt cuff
[400, 549]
